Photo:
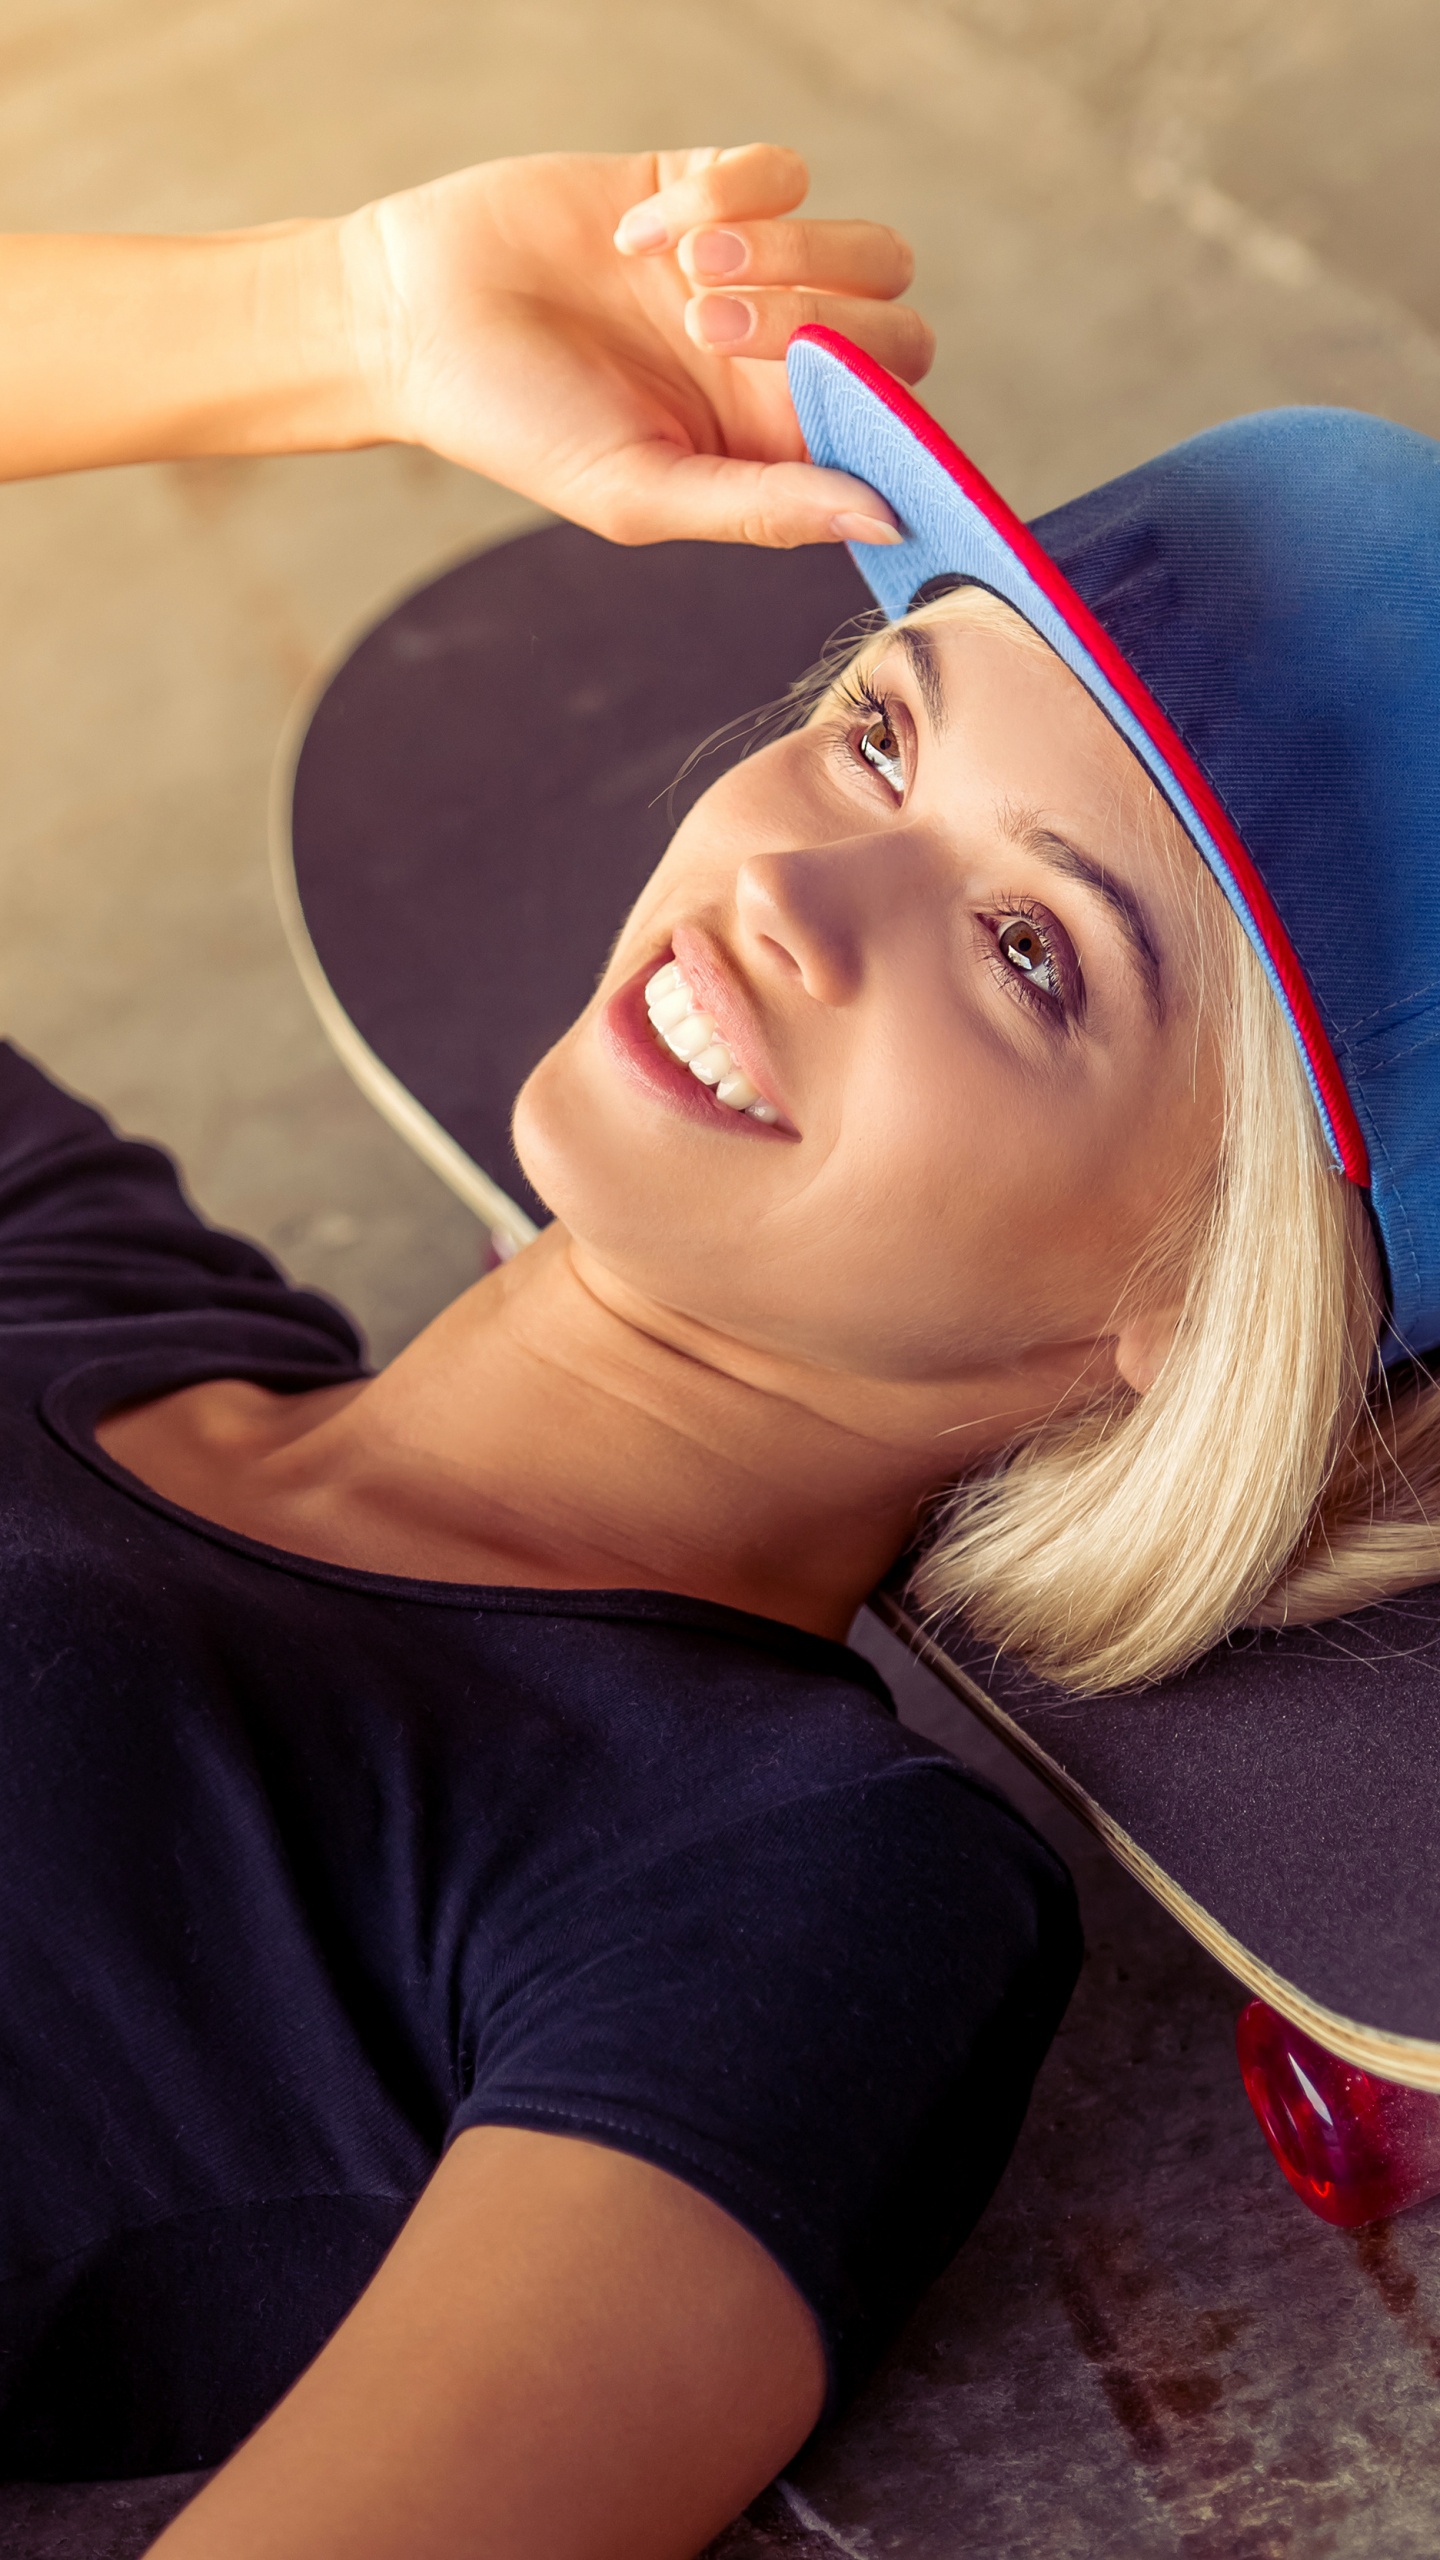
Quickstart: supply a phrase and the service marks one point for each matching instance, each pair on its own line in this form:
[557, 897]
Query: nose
[809, 914]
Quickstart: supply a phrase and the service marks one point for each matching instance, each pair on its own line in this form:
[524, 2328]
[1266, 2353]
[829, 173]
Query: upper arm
[568, 2355]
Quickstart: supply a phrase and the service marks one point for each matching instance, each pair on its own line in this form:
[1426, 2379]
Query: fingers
[837, 257]
[719, 211]
[762, 324]
[751, 183]
[656, 493]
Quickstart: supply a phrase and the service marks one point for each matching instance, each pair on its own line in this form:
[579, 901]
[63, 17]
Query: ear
[1143, 1345]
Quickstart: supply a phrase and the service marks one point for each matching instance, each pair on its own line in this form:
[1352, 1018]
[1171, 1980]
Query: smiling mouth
[690, 1036]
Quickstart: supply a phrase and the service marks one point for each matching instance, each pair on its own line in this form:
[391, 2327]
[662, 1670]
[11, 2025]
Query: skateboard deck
[464, 810]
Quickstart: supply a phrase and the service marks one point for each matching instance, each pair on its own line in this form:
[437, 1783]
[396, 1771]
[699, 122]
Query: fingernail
[723, 319]
[640, 229]
[717, 253]
[853, 528]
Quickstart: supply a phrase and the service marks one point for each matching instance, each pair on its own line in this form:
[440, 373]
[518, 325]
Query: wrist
[313, 382]
[375, 322]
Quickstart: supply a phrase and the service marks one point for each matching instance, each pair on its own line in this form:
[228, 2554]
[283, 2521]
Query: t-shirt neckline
[71, 1405]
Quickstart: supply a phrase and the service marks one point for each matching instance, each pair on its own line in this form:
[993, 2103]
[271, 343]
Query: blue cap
[1258, 612]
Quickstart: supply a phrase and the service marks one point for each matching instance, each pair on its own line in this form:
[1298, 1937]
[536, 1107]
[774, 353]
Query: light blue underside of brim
[847, 428]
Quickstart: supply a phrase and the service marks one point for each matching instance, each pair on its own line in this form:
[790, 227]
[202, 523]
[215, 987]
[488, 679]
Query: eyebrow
[1027, 829]
[924, 660]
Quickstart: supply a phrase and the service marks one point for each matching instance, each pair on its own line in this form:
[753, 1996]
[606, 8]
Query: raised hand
[606, 335]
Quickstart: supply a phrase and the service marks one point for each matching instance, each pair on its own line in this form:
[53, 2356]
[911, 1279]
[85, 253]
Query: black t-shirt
[307, 1870]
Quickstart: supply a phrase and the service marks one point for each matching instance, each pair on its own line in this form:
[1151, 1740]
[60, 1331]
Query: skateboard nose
[1354, 2147]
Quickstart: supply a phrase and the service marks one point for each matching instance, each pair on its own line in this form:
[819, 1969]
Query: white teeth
[689, 1035]
[671, 1006]
[736, 1091]
[713, 1063]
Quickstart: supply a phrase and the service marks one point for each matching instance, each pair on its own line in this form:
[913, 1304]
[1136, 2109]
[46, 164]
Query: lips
[647, 1058]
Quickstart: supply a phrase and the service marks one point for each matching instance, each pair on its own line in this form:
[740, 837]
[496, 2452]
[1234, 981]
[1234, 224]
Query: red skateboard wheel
[1354, 2147]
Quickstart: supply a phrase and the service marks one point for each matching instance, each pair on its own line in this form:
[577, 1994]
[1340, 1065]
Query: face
[943, 936]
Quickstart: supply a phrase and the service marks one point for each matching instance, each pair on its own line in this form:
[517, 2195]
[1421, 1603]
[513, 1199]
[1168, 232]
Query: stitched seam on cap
[1397, 1004]
[1396, 1057]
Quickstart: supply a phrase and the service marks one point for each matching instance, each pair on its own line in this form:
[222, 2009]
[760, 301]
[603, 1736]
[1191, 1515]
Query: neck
[579, 1440]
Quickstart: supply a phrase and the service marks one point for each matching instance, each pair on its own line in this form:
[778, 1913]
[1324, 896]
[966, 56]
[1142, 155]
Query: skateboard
[465, 807]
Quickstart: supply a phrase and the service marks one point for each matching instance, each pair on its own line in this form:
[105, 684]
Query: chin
[543, 1142]
[601, 1181]
[618, 1191]
[663, 1221]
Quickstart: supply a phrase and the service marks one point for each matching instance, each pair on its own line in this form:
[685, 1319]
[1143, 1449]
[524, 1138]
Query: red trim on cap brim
[1166, 740]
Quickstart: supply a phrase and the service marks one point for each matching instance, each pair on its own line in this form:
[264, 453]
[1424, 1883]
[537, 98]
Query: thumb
[658, 492]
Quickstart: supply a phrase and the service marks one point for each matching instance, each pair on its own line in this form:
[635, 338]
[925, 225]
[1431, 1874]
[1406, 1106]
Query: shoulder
[914, 1884]
[68, 1180]
[921, 1821]
[779, 1899]
[94, 1225]
[720, 1764]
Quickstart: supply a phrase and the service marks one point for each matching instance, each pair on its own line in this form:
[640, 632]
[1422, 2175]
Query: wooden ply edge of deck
[1414, 2061]
[506, 1220]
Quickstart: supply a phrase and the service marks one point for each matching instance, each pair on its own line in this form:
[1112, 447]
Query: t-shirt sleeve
[828, 2018]
[95, 1225]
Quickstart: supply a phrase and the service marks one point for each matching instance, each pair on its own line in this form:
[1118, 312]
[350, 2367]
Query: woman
[466, 1759]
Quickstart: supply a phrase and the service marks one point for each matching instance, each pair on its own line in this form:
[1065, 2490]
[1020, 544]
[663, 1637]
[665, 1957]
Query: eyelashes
[1034, 960]
[876, 743]
[859, 695]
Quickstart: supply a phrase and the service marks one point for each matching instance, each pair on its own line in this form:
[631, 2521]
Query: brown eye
[1024, 947]
[881, 748]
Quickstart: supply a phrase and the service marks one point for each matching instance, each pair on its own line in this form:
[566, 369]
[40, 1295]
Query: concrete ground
[1134, 217]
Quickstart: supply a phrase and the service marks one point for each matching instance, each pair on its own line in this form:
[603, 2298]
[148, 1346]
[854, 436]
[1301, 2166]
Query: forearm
[125, 349]
[489, 316]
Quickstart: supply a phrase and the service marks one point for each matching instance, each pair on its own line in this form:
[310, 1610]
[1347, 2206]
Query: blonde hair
[1268, 1477]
